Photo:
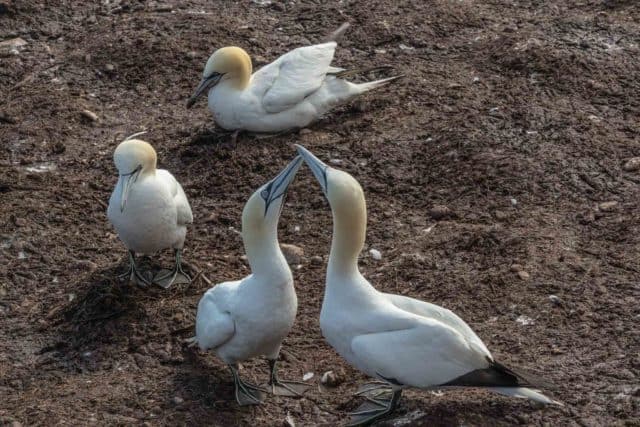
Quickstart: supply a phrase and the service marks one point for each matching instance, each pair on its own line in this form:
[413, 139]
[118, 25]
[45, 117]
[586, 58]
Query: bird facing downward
[148, 209]
[401, 341]
[247, 318]
[296, 89]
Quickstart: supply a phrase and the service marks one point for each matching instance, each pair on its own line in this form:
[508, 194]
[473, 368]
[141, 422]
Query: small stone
[556, 300]
[292, 253]
[500, 215]
[307, 376]
[331, 379]
[304, 131]
[109, 68]
[20, 222]
[89, 115]
[177, 400]
[523, 275]
[633, 164]
[438, 212]
[191, 54]
[525, 320]
[375, 254]
[513, 201]
[316, 260]
[608, 206]
[15, 44]
[515, 268]
[335, 161]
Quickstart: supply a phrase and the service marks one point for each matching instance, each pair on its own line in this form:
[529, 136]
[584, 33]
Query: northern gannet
[291, 92]
[402, 341]
[247, 318]
[148, 209]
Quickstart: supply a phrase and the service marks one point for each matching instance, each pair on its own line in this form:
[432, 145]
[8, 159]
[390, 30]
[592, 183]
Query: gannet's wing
[214, 324]
[294, 76]
[427, 354]
[441, 314]
[185, 216]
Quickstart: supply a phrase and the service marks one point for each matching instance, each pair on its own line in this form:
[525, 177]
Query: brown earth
[499, 147]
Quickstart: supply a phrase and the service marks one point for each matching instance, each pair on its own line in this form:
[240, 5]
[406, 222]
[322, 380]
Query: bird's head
[228, 63]
[262, 211]
[133, 158]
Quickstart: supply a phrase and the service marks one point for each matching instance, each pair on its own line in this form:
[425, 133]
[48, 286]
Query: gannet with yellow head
[248, 318]
[291, 92]
[399, 340]
[149, 209]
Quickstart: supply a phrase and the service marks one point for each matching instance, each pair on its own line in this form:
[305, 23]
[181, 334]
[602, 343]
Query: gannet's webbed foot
[246, 393]
[134, 274]
[374, 389]
[374, 409]
[284, 388]
[166, 278]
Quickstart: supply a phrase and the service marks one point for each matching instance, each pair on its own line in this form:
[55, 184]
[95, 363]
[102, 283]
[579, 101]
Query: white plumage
[243, 319]
[400, 340]
[291, 92]
[148, 209]
[156, 215]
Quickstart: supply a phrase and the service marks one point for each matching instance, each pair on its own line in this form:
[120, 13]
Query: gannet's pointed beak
[205, 84]
[279, 185]
[127, 182]
[317, 166]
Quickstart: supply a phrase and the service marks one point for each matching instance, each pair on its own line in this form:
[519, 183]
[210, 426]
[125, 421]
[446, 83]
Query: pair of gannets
[401, 341]
[291, 92]
[149, 210]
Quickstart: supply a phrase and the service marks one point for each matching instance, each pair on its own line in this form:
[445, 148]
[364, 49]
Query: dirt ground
[495, 172]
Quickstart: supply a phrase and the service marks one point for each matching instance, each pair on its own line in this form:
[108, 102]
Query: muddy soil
[495, 171]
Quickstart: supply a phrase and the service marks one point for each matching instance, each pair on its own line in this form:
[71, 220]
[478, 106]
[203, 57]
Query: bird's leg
[133, 274]
[234, 139]
[166, 278]
[246, 393]
[284, 388]
[374, 409]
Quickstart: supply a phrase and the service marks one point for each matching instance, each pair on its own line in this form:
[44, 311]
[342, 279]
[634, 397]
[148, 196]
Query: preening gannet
[148, 209]
[247, 318]
[296, 89]
[402, 341]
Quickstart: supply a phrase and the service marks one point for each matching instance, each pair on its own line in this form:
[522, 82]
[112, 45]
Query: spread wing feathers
[296, 75]
[180, 198]
[440, 314]
[214, 325]
[424, 356]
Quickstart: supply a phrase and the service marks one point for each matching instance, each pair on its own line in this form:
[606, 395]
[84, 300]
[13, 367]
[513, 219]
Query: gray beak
[127, 182]
[204, 86]
[279, 185]
[317, 166]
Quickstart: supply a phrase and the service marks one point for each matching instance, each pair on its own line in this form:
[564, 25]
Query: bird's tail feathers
[525, 393]
[364, 87]
[337, 34]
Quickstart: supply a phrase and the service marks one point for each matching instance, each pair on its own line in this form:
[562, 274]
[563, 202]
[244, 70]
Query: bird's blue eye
[264, 194]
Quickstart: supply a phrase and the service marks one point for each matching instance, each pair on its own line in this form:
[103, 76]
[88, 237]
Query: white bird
[149, 210]
[248, 318]
[291, 92]
[402, 341]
